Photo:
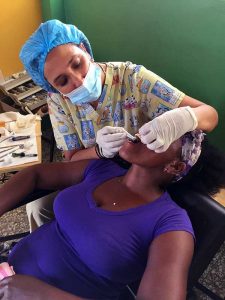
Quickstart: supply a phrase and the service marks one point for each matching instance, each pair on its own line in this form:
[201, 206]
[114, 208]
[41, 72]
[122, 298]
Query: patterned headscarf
[48, 36]
[191, 150]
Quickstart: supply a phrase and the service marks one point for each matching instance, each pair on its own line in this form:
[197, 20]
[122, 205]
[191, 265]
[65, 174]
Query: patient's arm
[52, 176]
[166, 272]
[25, 287]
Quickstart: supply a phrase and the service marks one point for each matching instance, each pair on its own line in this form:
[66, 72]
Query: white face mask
[91, 88]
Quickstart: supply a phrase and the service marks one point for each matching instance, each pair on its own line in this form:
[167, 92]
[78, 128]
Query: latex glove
[110, 139]
[159, 133]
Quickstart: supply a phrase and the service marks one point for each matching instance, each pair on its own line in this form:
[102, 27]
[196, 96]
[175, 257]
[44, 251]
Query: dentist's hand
[110, 139]
[162, 131]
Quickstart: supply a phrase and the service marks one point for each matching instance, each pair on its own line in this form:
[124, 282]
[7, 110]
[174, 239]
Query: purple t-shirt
[92, 252]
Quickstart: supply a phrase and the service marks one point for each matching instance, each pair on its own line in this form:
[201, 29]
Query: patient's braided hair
[208, 174]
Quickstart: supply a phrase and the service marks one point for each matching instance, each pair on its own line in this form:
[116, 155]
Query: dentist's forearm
[206, 115]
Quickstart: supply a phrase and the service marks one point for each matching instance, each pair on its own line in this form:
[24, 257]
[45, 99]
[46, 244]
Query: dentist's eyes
[76, 63]
[62, 81]
[75, 66]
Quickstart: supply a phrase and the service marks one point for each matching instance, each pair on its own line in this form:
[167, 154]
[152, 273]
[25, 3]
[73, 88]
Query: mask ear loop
[101, 68]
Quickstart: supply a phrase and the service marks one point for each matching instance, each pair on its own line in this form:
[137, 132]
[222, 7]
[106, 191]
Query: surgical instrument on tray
[23, 154]
[16, 138]
[11, 151]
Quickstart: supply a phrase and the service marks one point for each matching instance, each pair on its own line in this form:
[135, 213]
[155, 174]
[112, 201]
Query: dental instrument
[133, 139]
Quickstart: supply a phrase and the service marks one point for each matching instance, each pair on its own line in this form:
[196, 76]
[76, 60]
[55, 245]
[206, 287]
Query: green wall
[182, 41]
[53, 9]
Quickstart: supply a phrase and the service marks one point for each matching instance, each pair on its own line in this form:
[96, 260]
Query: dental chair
[34, 196]
[208, 220]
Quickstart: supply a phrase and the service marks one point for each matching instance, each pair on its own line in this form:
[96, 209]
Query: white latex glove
[110, 139]
[159, 133]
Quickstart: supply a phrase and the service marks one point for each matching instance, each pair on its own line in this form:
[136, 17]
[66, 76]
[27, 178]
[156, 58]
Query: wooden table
[6, 169]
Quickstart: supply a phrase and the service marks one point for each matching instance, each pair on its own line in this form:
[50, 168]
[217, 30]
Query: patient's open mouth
[134, 139]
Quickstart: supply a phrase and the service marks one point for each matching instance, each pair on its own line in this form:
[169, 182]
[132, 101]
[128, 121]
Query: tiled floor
[213, 277]
[221, 197]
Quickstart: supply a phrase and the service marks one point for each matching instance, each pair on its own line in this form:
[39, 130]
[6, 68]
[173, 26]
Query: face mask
[91, 88]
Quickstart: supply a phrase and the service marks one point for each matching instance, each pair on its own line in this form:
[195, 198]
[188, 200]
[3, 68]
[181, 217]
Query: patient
[112, 226]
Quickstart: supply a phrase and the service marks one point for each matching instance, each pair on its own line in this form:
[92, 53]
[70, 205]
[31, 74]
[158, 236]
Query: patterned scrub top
[131, 96]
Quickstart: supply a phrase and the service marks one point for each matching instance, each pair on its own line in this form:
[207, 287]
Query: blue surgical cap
[48, 36]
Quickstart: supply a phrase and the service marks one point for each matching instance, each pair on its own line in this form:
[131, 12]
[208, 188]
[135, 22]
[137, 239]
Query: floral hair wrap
[191, 150]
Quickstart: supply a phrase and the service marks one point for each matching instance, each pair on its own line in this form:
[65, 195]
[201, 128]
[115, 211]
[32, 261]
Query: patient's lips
[137, 138]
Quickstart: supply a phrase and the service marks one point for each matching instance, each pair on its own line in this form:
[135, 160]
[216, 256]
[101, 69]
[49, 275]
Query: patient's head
[191, 161]
[207, 176]
[176, 161]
